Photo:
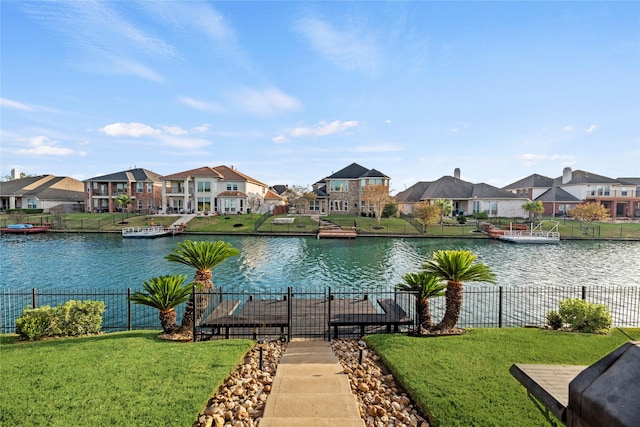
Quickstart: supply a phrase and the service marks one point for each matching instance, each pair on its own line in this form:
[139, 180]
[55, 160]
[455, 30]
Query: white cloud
[279, 139]
[323, 129]
[8, 103]
[201, 105]
[567, 128]
[202, 128]
[351, 48]
[591, 128]
[129, 129]
[528, 160]
[43, 146]
[264, 102]
[563, 157]
[174, 130]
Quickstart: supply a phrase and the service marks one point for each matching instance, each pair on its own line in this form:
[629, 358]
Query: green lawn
[465, 380]
[123, 379]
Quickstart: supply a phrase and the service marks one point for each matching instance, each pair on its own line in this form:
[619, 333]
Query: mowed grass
[465, 380]
[123, 379]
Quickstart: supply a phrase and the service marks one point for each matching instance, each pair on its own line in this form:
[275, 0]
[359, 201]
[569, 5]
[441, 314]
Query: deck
[301, 317]
[339, 233]
[549, 384]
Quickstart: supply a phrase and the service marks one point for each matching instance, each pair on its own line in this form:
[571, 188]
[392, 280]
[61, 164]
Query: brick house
[141, 185]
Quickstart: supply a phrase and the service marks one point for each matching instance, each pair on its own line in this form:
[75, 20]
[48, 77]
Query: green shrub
[461, 219]
[481, 215]
[69, 319]
[34, 323]
[583, 316]
[554, 320]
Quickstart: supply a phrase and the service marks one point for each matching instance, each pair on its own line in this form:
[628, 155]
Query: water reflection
[107, 261]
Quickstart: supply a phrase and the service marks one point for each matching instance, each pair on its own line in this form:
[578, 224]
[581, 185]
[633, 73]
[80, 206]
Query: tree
[203, 256]
[588, 213]
[426, 213]
[445, 206]
[377, 197]
[426, 286]
[164, 293]
[456, 267]
[122, 201]
[533, 208]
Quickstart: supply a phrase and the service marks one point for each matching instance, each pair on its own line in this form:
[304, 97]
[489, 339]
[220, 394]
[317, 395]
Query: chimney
[567, 175]
[15, 174]
[456, 173]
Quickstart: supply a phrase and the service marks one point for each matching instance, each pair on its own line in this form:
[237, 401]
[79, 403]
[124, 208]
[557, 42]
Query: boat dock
[340, 233]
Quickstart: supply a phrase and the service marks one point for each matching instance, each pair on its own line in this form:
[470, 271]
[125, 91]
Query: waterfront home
[52, 194]
[342, 191]
[216, 190]
[466, 197]
[558, 195]
[143, 187]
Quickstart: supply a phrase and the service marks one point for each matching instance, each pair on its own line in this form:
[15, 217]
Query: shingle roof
[131, 175]
[556, 194]
[232, 194]
[452, 188]
[232, 174]
[45, 187]
[630, 181]
[202, 172]
[355, 171]
[584, 177]
[532, 181]
[272, 195]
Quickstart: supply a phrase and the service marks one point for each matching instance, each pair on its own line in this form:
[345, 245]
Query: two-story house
[142, 186]
[466, 198]
[342, 191]
[620, 196]
[216, 190]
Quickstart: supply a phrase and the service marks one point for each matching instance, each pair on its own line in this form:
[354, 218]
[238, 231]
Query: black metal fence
[308, 312]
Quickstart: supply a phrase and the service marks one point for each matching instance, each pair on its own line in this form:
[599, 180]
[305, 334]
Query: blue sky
[289, 92]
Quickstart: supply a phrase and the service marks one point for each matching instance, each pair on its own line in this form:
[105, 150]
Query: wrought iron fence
[317, 312]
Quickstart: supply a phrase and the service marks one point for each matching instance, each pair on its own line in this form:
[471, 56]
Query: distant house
[341, 192]
[620, 196]
[220, 189]
[143, 186]
[466, 198]
[52, 194]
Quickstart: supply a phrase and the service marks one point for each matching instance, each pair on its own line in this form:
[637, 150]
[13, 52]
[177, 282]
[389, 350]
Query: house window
[204, 204]
[149, 205]
[232, 186]
[314, 205]
[139, 187]
[32, 203]
[338, 185]
[121, 188]
[149, 187]
[371, 181]
[204, 187]
[229, 205]
[624, 192]
[476, 206]
[339, 205]
[139, 204]
[604, 191]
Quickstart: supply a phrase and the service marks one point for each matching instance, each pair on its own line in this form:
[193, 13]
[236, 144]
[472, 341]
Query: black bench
[393, 315]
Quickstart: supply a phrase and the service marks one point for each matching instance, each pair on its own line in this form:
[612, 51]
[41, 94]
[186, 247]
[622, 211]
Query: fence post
[193, 299]
[33, 297]
[289, 316]
[584, 293]
[500, 308]
[128, 309]
[329, 314]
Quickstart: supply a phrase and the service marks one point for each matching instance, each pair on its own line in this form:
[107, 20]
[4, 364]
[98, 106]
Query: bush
[583, 316]
[72, 318]
[461, 219]
[481, 215]
[554, 320]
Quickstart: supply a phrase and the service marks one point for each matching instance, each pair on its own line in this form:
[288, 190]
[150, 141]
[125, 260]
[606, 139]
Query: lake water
[105, 261]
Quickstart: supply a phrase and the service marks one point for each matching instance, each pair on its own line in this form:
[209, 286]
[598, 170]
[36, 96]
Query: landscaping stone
[241, 400]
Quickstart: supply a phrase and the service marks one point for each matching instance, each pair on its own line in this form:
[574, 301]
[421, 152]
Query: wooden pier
[337, 233]
[301, 317]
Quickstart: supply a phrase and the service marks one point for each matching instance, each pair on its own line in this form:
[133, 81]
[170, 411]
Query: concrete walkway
[310, 389]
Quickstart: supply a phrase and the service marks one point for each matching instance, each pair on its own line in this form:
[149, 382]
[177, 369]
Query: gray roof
[583, 177]
[556, 194]
[452, 188]
[355, 171]
[131, 175]
[532, 181]
[629, 181]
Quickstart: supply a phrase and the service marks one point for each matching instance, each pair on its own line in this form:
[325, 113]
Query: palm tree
[445, 206]
[203, 256]
[456, 266]
[123, 201]
[426, 287]
[533, 208]
[164, 293]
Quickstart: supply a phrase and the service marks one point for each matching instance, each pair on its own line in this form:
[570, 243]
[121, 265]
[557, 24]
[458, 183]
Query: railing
[483, 306]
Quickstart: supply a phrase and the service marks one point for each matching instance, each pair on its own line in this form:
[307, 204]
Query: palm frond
[427, 285]
[202, 255]
[458, 266]
[163, 292]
